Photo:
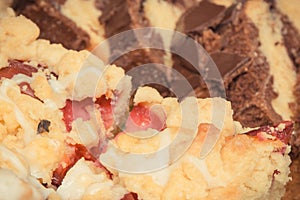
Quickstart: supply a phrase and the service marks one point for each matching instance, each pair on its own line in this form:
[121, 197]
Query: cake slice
[236, 57]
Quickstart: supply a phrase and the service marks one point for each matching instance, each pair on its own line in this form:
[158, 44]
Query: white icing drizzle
[20, 78]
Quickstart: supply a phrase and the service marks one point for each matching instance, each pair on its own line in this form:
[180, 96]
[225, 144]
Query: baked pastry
[59, 124]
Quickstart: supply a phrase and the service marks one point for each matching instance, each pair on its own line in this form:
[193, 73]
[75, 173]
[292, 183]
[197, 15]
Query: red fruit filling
[75, 109]
[26, 89]
[143, 117]
[73, 154]
[140, 118]
[130, 196]
[282, 131]
[16, 67]
[106, 111]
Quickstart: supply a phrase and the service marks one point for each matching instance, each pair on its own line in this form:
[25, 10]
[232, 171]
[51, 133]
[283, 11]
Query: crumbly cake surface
[240, 166]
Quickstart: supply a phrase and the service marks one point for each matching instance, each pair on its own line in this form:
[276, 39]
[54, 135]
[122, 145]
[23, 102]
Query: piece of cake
[237, 57]
[64, 113]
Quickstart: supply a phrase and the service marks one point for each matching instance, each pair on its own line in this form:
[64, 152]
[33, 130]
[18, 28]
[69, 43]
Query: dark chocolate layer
[53, 25]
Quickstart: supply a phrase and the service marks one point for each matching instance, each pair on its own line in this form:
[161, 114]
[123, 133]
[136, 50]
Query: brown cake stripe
[53, 25]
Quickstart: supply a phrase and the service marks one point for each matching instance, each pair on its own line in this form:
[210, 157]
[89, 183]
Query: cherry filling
[78, 109]
[73, 154]
[26, 89]
[106, 110]
[282, 131]
[130, 196]
[16, 67]
[142, 117]
[75, 109]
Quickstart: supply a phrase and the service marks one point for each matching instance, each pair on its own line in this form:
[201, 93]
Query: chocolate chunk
[195, 80]
[54, 26]
[43, 126]
[229, 65]
[199, 17]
